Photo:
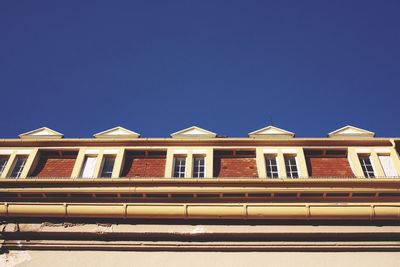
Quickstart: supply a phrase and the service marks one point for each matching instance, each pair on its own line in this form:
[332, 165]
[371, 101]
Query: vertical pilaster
[118, 164]
[302, 164]
[99, 164]
[189, 165]
[281, 164]
[209, 163]
[76, 171]
[376, 164]
[355, 162]
[260, 161]
[395, 159]
[9, 166]
[169, 162]
[29, 162]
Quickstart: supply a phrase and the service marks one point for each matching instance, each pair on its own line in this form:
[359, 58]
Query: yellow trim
[267, 211]
[119, 162]
[355, 162]
[376, 163]
[9, 165]
[29, 162]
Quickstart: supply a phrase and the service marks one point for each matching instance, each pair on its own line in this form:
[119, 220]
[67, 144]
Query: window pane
[108, 166]
[291, 167]
[387, 165]
[198, 167]
[271, 166]
[179, 167]
[19, 166]
[3, 163]
[367, 166]
[88, 167]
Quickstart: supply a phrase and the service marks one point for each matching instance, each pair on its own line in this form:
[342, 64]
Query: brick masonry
[235, 167]
[54, 167]
[144, 167]
[329, 167]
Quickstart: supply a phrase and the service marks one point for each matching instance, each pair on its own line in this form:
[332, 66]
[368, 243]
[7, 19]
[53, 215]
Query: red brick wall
[235, 167]
[54, 167]
[329, 167]
[144, 167]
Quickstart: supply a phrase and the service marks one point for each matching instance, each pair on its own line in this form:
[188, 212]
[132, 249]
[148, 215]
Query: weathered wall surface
[198, 259]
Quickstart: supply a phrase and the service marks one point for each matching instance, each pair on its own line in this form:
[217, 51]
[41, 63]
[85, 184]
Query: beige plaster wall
[198, 259]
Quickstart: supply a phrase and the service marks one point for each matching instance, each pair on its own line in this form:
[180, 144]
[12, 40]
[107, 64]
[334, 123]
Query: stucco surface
[209, 259]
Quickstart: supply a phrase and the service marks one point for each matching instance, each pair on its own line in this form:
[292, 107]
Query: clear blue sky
[157, 67]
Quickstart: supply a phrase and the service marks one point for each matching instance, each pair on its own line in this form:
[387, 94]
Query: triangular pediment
[41, 133]
[351, 131]
[117, 132]
[193, 132]
[271, 132]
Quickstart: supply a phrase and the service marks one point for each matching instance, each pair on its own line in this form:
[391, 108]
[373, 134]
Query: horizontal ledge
[194, 189]
[233, 180]
[241, 211]
[200, 246]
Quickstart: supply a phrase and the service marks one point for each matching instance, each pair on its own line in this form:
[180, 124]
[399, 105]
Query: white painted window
[387, 166]
[3, 163]
[291, 167]
[18, 166]
[179, 167]
[271, 166]
[108, 166]
[366, 166]
[199, 167]
[88, 167]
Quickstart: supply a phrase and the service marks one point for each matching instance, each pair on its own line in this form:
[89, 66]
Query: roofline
[245, 141]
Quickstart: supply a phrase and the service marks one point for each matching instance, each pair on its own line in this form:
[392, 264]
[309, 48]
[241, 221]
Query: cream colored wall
[199, 258]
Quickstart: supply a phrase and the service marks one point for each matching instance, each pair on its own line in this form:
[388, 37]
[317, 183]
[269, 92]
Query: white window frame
[180, 157]
[290, 173]
[194, 166]
[363, 165]
[269, 157]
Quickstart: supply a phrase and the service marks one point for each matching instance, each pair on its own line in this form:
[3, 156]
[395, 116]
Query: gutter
[241, 211]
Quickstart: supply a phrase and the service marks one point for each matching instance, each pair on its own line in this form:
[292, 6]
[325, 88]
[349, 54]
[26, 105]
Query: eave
[234, 142]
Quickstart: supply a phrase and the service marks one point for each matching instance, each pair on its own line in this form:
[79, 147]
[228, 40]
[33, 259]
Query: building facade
[198, 192]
